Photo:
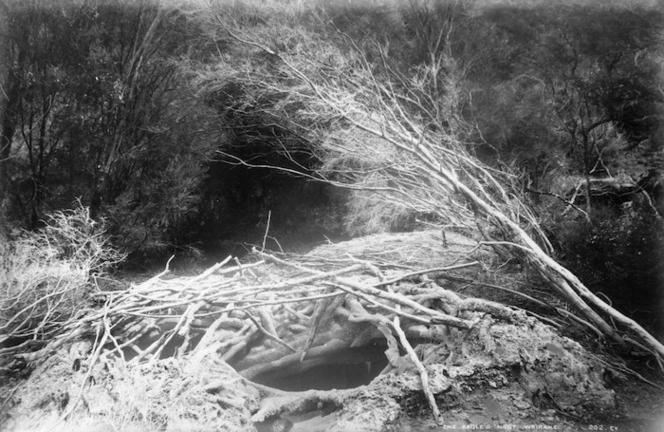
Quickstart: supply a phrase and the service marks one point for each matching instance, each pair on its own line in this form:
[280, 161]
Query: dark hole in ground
[353, 367]
[345, 369]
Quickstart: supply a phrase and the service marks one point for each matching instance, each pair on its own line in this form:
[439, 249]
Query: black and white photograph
[331, 215]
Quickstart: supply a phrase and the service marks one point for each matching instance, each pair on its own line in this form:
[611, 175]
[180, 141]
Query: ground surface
[511, 371]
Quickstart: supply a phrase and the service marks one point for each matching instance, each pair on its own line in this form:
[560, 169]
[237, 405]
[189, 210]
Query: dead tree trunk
[448, 179]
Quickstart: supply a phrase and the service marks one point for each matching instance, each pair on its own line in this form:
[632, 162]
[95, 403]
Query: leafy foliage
[102, 114]
[368, 214]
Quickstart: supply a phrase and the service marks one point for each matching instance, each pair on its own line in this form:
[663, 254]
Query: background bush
[47, 276]
[622, 257]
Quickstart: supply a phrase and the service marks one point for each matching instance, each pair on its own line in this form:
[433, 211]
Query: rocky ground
[510, 371]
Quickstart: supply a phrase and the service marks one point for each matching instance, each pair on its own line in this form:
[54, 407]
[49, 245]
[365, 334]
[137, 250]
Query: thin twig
[267, 229]
[424, 375]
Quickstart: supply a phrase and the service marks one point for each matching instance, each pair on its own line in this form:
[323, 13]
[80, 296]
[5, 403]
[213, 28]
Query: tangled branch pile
[277, 314]
[280, 316]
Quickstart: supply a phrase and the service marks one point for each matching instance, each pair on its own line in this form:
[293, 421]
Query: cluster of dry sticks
[279, 313]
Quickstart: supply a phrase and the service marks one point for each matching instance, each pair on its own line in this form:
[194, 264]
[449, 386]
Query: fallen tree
[399, 136]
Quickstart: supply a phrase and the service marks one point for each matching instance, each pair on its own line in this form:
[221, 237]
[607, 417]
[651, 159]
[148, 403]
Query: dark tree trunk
[5, 135]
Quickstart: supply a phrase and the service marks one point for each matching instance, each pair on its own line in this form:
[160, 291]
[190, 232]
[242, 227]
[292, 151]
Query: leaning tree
[399, 135]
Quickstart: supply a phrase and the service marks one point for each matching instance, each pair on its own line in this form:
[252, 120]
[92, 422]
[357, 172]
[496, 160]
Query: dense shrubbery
[48, 276]
[621, 255]
[369, 214]
[99, 110]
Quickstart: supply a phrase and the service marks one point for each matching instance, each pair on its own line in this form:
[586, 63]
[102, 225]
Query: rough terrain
[509, 371]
